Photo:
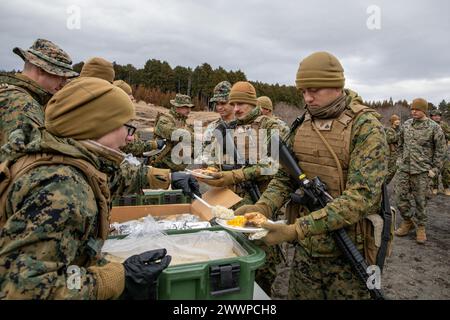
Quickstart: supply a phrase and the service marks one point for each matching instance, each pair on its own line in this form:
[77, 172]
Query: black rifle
[386, 214]
[315, 197]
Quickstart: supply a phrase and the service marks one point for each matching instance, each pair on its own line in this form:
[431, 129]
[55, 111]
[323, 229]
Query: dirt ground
[413, 271]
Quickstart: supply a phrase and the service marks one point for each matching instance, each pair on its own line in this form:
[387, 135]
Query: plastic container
[225, 279]
[152, 198]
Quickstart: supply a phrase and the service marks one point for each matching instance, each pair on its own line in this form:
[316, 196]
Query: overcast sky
[398, 49]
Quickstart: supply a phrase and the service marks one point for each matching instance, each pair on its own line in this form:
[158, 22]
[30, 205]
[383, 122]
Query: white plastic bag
[184, 248]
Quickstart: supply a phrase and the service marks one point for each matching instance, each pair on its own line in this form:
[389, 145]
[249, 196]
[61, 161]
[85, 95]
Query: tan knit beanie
[87, 108]
[394, 118]
[320, 70]
[243, 92]
[124, 86]
[420, 104]
[264, 102]
[99, 68]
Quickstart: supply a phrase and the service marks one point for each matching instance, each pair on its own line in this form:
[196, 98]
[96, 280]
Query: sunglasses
[131, 129]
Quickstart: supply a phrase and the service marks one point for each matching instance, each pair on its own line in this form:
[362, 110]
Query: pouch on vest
[372, 231]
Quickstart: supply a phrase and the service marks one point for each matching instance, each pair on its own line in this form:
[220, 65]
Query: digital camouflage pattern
[166, 124]
[367, 169]
[49, 57]
[181, 100]
[314, 274]
[446, 128]
[138, 147]
[366, 172]
[445, 172]
[392, 140]
[415, 186]
[52, 221]
[22, 103]
[422, 148]
[221, 92]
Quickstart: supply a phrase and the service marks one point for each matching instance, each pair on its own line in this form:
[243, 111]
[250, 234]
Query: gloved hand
[431, 173]
[185, 182]
[258, 207]
[141, 274]
[279, 233]
[225, 178]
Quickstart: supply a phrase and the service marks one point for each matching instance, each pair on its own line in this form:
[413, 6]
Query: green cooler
[225, 279]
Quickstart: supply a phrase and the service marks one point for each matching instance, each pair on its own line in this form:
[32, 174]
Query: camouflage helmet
[181, 100]
[221, 92]
[435, 112]
[49, 57]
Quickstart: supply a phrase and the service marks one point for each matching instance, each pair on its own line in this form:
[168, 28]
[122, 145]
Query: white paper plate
[198, 174]
[225, 225]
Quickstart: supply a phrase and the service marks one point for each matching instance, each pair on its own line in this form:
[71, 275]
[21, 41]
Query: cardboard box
[216, 196]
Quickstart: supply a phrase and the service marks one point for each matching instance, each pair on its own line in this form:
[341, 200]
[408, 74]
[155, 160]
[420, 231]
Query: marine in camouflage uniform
[445, 173]
[392, 140]
[243, 93]
[165, 125]
[22, 99]
[55, 213]
[266, 106]
[356, 137]
[422, 151]
[226, 111]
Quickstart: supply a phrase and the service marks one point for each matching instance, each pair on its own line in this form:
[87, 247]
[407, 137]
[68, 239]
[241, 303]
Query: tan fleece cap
[243, 92]
[320, 70]
[264, 102]
[99, 68]
[87, 108]
[420, 104]
[124, 86]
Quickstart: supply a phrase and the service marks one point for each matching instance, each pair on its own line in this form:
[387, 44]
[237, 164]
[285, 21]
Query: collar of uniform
[20, 80]
[177, 115]
[250, 117]
[103, 151]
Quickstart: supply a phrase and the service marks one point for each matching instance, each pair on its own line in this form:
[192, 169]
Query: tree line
[157, 82]
[158, 79]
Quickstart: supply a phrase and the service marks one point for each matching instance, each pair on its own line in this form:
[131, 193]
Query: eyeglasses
[131, 129]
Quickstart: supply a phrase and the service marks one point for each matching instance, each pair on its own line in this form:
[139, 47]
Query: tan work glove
[225, 178]
[279, 233]
[110, 280]
[258, 207]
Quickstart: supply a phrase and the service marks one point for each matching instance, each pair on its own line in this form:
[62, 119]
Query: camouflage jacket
[138, 147]
[22, 102]
[367, 169]
[422, 146]
[392, 140]
[166, 124]
[52, 220]
[446, 128]
[208, 133]
[257, 172]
